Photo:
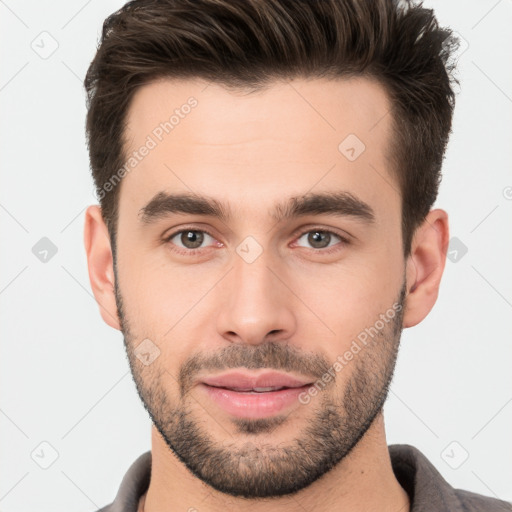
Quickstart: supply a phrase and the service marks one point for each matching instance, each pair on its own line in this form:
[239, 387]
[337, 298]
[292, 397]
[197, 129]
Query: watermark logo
[146, 352]
[352, 147]
[455, 455]
[45, 45]
[44, 250]
[457, 249]
[249, 249]
[44, 455]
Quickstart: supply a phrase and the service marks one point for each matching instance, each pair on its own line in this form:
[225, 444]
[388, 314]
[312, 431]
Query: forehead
[291, 136]
[331, 106]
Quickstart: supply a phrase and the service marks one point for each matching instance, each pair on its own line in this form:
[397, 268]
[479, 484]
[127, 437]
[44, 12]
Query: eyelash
[192, 252]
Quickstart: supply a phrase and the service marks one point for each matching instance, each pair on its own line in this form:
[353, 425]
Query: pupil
[319, 239]
[192, 239]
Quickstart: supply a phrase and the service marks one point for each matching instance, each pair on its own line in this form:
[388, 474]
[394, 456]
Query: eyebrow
[341, 203]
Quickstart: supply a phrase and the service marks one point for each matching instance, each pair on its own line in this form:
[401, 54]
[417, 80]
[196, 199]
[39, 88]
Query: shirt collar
[426, 487]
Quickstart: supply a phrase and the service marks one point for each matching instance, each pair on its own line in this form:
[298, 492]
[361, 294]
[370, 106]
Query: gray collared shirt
[428, 490]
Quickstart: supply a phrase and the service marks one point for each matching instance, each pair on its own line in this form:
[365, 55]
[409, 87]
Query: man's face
[273, 294]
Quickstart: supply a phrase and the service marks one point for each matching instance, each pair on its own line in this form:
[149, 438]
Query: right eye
[190, 240]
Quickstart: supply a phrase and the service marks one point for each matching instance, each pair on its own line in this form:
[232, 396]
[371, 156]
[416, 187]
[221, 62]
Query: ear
[100, 265]
[425, 266]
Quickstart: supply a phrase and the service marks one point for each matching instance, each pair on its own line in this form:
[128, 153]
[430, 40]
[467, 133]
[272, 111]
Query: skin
[251, 151]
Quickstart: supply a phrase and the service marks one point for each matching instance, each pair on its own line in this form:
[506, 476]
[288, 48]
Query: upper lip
[239, 380]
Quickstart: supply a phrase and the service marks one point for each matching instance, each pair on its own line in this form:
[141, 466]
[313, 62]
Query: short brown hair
[247, 44]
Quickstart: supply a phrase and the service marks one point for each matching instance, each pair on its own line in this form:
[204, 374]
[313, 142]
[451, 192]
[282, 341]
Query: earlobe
[100, 265]
[425, 266]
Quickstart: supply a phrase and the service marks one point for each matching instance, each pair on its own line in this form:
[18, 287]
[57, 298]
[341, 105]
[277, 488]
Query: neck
[362, 481]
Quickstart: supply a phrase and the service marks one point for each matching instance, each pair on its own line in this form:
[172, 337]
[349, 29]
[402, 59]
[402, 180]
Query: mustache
[271, 356]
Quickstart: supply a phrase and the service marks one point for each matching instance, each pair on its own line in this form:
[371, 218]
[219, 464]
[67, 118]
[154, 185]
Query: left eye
[319, 239]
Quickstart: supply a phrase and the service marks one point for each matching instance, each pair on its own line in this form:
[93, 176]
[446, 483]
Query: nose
[257, 305]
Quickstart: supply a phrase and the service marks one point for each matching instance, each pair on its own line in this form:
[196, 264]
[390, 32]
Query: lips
[246, 395]
[261, 383]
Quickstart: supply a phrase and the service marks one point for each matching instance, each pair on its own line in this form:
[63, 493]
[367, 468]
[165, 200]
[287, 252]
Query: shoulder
[430, 491]
[473, 502]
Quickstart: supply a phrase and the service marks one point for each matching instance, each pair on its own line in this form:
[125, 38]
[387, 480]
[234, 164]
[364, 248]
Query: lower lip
[253, 405]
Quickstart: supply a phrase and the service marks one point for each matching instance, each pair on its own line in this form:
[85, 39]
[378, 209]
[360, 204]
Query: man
[266, 171]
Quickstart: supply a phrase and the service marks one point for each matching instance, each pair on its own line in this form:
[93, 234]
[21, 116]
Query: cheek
[343, 300]
[157, 293]
[174, 308]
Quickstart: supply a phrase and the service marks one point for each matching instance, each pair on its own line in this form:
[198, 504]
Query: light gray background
[64, 376]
